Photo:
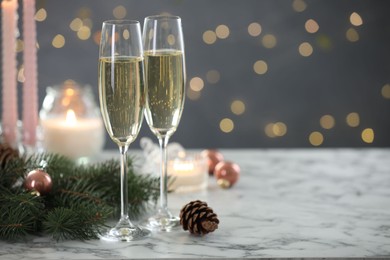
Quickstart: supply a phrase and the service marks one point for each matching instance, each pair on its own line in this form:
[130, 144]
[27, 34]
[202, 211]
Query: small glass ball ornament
[227, 174]
[213, 158]
[38, 180]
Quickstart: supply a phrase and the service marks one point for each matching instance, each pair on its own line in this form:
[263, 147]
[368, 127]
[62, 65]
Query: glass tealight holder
[187, 173]
[70, 122]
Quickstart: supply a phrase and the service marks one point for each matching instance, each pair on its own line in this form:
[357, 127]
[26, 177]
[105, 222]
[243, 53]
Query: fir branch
[12, 171]
[14, 226]
[20, 214]
[82, 198]
[79, 222]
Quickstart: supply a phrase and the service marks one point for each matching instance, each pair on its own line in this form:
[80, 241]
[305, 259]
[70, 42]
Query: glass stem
[124, 184]
[163, 174]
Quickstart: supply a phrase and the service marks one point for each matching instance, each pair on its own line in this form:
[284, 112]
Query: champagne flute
[165, 93]
[121, 95]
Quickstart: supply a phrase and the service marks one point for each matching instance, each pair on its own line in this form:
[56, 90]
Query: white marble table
[288, 203]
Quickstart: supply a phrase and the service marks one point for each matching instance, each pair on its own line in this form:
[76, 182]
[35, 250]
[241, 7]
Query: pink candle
[9, 100]
[30, 90]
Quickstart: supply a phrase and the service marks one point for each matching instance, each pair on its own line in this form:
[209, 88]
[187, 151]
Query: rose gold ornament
[39, 181]
[227, 174]
[213, 158]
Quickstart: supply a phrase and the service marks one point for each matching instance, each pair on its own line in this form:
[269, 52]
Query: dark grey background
[347, 77]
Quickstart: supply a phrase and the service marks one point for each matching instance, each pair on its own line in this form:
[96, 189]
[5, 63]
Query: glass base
[125, 231]
[163, 221]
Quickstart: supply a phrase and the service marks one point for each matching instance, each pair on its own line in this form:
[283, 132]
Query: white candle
[188, 174]
[73, 137]
[30, 90]
[9, 100]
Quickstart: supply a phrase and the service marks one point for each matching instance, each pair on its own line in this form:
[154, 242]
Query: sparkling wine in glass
[122, 98]
[165, 93]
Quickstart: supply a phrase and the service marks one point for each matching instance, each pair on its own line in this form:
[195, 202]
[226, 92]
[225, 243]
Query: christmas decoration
[39, 181]
[152, 154]
[213, 158]
[7, 153]
[81, 200]
[198, 218]
[227, 174]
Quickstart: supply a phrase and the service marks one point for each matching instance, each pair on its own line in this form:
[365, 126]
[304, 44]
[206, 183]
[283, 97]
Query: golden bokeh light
[41, 15]
[237, 107]
[311, 26]
[126, 34]
[193, 95]
[58, 41]
[226, 125]
[171, 39]
[260, 67]
[299, 5]
[386, 91]
[213, 76]
[196, 84]
[279, 129]
[21, 77]
[368, 135]
[269, 41]
[356, 19]
[84, 33]
[352, 35]
[316, 138]
[76, 24]
[353, 119]
[119, 12]
[269, 130]
[254, 29]
[209, 37]
[327, 122]
[222, 31]
[305, 49]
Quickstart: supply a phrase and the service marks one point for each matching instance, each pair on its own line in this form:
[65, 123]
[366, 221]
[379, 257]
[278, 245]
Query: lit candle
[9, 100]
[30, 91]
[188, 173]
[73, 137]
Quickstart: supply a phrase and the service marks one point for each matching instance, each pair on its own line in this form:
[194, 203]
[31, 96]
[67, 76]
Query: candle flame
[69, 91]
[71, 118]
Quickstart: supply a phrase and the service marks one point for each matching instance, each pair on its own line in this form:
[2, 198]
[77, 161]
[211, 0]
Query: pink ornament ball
[38, 180]
[213, 158]
[227, 174]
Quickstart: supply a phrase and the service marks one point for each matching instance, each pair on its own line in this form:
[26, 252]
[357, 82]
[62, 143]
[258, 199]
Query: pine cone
[198, 218]
[7, 153]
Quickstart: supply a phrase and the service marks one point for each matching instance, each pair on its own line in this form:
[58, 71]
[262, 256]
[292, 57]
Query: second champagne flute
[165, 93]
